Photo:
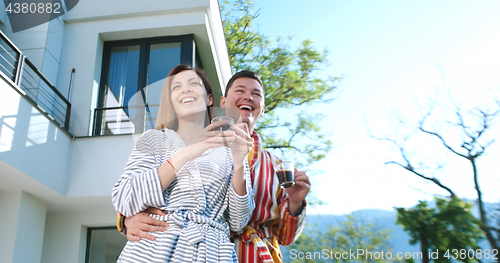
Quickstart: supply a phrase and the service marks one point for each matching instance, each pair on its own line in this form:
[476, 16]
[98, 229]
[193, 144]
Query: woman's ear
[210, 100]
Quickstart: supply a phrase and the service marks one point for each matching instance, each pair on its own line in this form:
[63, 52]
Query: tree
[464, 130]
[289, 76]
[352, 234]
[450, 225]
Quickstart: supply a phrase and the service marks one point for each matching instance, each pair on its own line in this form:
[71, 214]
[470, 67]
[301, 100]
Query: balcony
[125, 120]
[32, 84]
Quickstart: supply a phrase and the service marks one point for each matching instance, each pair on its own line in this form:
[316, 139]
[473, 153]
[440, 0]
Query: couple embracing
[190, 193]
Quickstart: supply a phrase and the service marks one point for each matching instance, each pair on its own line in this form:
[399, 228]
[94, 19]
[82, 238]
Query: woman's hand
[209, 138]
[206, 139]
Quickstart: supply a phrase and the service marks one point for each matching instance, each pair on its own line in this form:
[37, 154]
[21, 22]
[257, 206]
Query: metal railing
[10, 58]
[34, 85]
[124, 120]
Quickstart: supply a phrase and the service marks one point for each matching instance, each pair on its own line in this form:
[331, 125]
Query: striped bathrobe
[271, 222]
[201, 204]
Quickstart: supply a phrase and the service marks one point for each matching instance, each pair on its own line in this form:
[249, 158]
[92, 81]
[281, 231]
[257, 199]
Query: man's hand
[298, 192]
[140, 224]
[241, 145]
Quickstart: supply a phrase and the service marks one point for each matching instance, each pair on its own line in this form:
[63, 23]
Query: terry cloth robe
[271, 224]
[201, 204]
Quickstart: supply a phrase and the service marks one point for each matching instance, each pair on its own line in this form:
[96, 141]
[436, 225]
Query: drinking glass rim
[220, 118]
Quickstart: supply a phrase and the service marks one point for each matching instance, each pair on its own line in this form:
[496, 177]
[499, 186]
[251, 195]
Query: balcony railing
[32, 83]
[124, 120]
[10, 58]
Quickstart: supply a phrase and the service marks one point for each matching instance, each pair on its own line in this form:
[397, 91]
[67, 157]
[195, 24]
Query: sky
[391, 54]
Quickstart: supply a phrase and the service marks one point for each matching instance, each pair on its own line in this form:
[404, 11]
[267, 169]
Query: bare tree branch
[474, 126]
[432, 179]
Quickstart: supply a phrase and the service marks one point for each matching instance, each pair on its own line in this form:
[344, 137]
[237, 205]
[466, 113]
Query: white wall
[30, 230]
[98, 9]
[31, 143]
[97, 163]
[41, 45]
[218, 42]
[10, 206]
[22, 227]
[66, 234]
[52, 54]
[30, 41]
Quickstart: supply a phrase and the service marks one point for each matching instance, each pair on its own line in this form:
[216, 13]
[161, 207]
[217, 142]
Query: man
[279, 214]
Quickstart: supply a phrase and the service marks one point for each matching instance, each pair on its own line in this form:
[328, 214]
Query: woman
[183, 168]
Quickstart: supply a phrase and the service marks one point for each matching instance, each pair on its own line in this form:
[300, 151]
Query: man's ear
[222, 102]
[262, 110]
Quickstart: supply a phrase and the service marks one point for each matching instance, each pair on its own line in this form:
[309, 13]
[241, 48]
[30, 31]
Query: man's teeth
[245, 107]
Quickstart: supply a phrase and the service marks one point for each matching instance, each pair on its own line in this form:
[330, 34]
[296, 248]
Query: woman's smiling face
[188, 94]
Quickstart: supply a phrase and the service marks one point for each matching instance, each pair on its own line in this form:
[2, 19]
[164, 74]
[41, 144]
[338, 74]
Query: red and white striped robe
[270, 218]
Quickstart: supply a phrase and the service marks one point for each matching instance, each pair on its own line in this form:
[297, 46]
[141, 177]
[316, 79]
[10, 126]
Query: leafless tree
[465, 130]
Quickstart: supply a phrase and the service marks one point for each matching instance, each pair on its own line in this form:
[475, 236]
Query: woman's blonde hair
[166, 114]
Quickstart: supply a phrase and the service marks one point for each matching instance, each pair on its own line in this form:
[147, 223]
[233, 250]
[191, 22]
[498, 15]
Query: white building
[61, 154]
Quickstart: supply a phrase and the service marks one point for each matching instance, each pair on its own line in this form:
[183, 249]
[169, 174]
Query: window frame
[189, 55]
[89, 239]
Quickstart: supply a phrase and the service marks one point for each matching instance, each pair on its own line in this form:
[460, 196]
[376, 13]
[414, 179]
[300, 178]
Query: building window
[104, 245]
[133, 74]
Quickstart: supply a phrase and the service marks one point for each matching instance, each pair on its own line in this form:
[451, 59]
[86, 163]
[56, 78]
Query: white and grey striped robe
[201, 203]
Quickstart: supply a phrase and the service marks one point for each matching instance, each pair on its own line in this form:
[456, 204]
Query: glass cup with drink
[225, 127]
[284, 171]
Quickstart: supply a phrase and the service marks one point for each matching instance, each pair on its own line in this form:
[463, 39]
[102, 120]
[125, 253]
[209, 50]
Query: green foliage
[241, 38]
[352, 234]
[310, 240]
[289, 76]
[450, 225]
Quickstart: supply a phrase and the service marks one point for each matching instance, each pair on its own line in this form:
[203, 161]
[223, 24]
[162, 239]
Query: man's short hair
[242, 74]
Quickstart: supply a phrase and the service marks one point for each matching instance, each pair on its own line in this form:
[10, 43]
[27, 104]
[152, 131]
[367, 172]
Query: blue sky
[391, 53]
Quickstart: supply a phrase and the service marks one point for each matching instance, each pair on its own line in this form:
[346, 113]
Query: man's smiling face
[246, 95]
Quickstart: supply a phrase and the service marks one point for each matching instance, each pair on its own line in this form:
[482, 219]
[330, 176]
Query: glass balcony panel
[124, 120]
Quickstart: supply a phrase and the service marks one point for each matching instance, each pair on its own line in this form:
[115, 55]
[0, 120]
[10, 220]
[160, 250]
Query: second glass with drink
[284, 171]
